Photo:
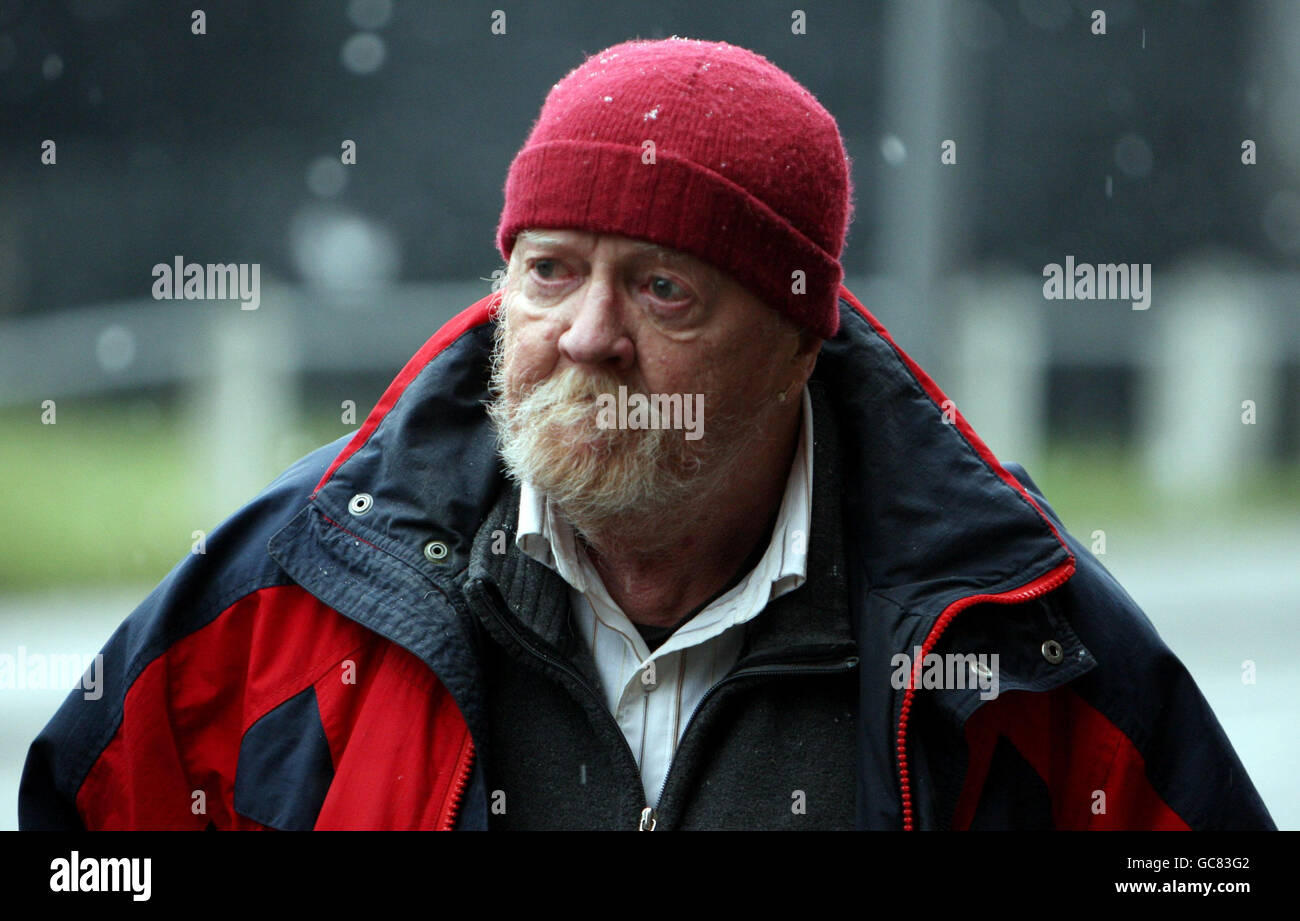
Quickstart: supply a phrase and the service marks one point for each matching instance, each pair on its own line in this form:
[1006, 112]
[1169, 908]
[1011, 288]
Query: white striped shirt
[652, 697]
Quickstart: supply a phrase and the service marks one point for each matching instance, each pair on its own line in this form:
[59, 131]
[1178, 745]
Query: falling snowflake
[653, 113]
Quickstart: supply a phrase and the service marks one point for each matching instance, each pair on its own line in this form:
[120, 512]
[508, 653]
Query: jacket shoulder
[1143, 697]
[1094, 591]
[218, 616]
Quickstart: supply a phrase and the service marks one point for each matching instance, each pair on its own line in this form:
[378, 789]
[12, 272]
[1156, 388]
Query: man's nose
[597, 335]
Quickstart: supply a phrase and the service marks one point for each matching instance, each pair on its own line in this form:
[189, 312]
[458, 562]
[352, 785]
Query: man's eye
[545, 267]
[665, 288]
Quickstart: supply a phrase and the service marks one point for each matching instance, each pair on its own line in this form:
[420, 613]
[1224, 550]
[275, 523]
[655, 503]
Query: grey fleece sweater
[772, 746]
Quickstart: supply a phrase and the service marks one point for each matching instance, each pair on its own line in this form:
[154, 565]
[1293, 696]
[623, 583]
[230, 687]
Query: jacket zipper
[648, 818]
[458, 787]
[1040, 586]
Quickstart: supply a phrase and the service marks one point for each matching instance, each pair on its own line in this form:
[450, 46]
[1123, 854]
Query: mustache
[572, 385]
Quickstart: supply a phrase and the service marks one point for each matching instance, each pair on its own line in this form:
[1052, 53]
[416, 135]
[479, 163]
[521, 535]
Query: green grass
[110, 493]
[1089, 485]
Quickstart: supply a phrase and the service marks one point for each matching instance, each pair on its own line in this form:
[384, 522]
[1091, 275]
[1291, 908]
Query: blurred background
[1166, 437]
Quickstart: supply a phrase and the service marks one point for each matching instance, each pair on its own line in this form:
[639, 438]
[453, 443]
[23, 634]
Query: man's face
[584, 314]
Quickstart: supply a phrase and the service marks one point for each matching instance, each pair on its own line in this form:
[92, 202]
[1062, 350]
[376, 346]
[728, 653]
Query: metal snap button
[360, 504]
[1053, 652]
[436, 551]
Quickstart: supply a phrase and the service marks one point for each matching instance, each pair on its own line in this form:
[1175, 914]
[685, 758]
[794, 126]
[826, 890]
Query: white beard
[549, 438]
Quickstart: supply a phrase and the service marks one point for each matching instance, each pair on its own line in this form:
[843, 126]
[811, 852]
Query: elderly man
[664, 533]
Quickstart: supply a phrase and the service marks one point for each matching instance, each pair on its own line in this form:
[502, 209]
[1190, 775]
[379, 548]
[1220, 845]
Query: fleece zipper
[489, 595]
[648, 817]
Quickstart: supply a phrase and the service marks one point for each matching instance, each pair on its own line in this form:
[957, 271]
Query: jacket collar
[938, 518]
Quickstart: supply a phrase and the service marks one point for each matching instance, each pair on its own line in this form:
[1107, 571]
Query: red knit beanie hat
[702, 147]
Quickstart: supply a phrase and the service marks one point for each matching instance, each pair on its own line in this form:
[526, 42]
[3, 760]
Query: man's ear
[808, 348]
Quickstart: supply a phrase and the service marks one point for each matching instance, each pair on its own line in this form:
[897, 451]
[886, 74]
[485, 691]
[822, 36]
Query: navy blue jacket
[317, 667]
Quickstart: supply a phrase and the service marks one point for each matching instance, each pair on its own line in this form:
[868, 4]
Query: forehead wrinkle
[537, 238]
[645, 248]
[642, 248]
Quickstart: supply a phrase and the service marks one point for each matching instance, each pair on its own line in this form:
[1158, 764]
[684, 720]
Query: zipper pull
[649, 819]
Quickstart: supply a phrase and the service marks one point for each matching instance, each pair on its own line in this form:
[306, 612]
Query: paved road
[1218, 600]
